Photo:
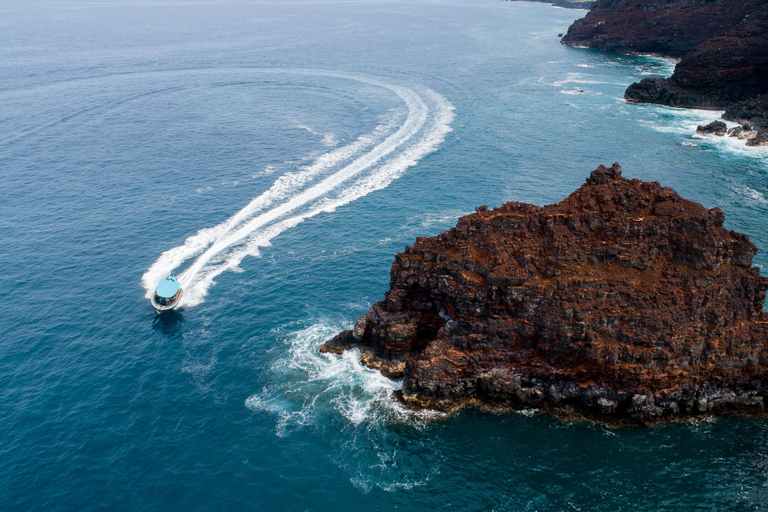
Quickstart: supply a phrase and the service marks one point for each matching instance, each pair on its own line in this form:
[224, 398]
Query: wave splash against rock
[623, 303]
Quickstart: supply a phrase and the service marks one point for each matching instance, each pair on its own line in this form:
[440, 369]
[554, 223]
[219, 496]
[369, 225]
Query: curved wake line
[23, 133]
[282, 188]
[334, 179]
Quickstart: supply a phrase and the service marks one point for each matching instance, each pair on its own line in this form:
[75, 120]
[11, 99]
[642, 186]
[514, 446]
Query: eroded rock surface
[622, 303]
[715, 127]
[718, 73]
[722, 47]
[661, 27]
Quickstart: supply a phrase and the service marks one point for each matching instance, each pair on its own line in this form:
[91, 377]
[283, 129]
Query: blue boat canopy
[167, 287]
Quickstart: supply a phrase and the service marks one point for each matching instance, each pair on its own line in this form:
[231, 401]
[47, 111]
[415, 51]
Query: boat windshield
[165, 301]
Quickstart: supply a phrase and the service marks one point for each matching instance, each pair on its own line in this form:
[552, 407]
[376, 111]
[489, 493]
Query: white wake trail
[414, 122]
[282, 188]
[297, 196]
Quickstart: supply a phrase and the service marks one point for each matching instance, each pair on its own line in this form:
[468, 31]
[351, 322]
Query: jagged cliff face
[732, 67]
[717, 73]
[671, 28]
[722, 44]
[624, 302]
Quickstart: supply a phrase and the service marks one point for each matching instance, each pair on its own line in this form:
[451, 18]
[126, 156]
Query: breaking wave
[338, 177]
[312, 391]
[683, 123]
[308, 383]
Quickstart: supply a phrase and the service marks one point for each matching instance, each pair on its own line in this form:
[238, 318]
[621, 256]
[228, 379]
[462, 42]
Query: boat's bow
[167, 294]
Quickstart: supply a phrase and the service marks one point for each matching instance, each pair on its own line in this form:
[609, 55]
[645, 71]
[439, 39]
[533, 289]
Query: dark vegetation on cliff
[722, 46]
[624, 303]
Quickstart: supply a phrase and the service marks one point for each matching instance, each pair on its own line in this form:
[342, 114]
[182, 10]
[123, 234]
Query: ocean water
[278, 155]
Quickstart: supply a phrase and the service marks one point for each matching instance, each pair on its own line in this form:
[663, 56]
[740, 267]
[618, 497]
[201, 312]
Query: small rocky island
[624, 303]
[721, 47]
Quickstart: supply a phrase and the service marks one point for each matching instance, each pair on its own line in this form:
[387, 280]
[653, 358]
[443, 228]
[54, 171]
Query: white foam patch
[308, 384]
[584, 78]
[683, 122]
[334, 179]
[751, 195]
[657, 66]
[329, 139]
[328, 392]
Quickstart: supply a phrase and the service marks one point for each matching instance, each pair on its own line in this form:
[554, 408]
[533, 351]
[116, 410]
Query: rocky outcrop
[663, 91]
[753, 113]
[623, 303]
[731, 67]
[722, 47]
[715, 127]
[760, 139]
[717, 73]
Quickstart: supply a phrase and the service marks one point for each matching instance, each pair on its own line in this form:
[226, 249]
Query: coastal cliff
[659, 27]
[717, 73]
[722, 47]
[623, 303]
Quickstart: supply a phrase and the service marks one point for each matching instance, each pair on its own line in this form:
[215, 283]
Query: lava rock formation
[623, 303]
[722, 47]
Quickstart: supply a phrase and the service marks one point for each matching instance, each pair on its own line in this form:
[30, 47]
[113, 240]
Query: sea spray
[309, 391]
[307, 387]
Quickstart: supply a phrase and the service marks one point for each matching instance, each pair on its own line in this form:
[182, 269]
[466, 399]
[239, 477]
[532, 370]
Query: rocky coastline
[624, 304]
[722, 49]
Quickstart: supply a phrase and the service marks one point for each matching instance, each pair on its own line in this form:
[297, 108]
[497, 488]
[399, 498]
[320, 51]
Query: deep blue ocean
[277, 155]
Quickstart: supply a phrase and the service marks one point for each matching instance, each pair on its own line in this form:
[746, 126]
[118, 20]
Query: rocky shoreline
[623, 303]
[722, 49]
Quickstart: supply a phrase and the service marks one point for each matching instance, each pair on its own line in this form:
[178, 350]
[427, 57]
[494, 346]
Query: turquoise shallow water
[310, 142]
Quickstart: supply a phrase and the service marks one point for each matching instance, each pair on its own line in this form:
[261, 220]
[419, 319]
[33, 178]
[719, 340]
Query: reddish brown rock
[622, 303]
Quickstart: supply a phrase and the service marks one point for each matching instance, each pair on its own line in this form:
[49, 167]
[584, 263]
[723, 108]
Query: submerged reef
[624, 303]
[722, 49]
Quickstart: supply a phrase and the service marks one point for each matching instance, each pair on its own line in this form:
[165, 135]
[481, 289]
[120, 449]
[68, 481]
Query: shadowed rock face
[752, 112]
[622, 303]
[663, 27]
[722, 46]
[717, 73]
